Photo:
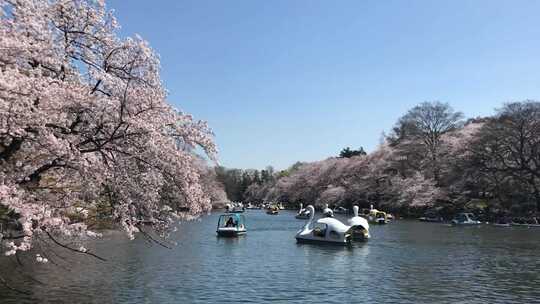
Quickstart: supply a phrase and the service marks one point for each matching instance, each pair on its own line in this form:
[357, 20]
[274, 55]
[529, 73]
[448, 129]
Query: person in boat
[230, 222]
[504, 220]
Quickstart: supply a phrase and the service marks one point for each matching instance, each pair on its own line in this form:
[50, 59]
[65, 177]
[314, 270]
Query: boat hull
[466, 224]
[526, 225]
[230, 233]
[360, 236]
[302, 240]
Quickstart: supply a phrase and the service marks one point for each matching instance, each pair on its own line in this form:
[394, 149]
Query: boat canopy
[231, 220]
[359, 221]
[333, 224]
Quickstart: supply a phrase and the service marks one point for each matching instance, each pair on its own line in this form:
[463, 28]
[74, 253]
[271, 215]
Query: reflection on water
[405, 262]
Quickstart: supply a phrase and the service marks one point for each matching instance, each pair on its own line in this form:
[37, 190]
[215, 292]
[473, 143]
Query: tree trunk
[537, 198]
[536, 194]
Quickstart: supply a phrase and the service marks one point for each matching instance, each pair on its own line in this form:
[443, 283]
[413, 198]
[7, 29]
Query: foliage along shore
[88, 138]
[432, 160]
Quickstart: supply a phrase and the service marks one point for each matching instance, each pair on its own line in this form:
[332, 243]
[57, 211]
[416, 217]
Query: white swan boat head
[327, 211]
[465, 219]
[302, 213]
[360, 225]
[330, 230]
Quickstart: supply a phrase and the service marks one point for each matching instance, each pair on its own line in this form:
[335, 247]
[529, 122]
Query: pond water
[404, 262]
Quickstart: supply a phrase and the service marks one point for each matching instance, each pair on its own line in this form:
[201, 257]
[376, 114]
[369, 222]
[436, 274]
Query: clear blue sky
[281, 81]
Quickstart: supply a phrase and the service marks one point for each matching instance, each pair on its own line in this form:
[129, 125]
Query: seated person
[320, 232]
[230, 222]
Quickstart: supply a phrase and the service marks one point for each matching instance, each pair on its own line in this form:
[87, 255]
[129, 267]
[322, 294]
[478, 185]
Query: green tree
[508, 149]
[348, 153]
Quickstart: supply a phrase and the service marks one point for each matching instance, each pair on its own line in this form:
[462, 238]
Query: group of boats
[469, 219]
[238, 207]
[274, 209]
[326, 229]
[372, 215]
[235, 208]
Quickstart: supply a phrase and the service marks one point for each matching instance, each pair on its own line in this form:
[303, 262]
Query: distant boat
[375, 216]
[327, 211]
[303, 214]
[360, 226]
[231, 225]
[526, 225]
[533, 223]
[502, 222]
[272, 210]
[235, 208]
[431, 219]
[341, 210]
[329, 230]
[465, 219]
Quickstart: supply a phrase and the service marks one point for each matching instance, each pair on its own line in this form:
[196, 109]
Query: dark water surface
[404, 262]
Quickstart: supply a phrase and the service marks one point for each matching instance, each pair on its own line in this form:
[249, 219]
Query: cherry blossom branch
[73, 249]
[151, 238]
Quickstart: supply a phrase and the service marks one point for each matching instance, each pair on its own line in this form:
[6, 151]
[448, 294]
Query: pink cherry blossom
[85, 127]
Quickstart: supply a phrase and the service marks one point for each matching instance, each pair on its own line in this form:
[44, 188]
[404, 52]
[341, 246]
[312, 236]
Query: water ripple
[405, 262]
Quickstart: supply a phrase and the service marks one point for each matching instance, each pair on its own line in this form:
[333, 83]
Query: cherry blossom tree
[84, 123]
[332, 195]
[415, 191]
[213, 188]
[363, 180]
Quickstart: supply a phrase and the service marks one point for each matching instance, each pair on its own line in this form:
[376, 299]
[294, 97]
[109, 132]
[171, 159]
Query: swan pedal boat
[328, 230]
[272, 211]
[303, 214]
[231, 225]
[465, 219]
[375, 216]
